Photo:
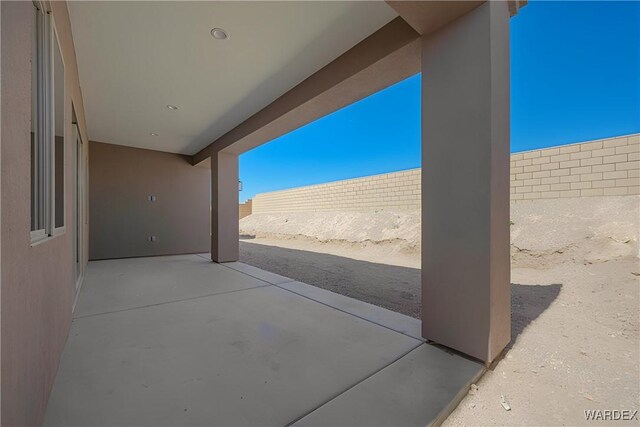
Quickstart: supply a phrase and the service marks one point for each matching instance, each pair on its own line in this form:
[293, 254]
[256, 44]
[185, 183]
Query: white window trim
[37, 235]
[55, 44]
[41, 186]
[44, 130]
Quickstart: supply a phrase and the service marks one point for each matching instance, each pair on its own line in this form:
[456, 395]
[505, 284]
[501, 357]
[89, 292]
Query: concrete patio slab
[419, 389]
[390, 319]
[190, 343]
[122, 284]
[267, 276]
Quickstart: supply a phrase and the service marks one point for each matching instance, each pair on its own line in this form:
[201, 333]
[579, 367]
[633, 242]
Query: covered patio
[135, 137]
[179, 340]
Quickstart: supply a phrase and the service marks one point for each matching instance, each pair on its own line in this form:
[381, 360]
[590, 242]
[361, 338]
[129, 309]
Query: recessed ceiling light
[219, 34]
[153, 134]
[172, 107]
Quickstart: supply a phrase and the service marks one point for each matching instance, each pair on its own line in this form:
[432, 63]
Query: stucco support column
[224, 207]
[465, 183]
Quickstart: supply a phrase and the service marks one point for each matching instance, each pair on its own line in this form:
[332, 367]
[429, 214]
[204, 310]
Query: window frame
[40, 173]
[43, 175]
[55, 44]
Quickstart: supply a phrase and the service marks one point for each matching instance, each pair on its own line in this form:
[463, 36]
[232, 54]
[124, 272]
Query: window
[47, 128]
[38, 125]
[58, 156]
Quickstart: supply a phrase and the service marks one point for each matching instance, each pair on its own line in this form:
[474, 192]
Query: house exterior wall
[121, 179]
[37, 280]
[594, 168]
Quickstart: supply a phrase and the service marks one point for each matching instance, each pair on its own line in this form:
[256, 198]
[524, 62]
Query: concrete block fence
[605, 167]
[245, 209]
[391, 191]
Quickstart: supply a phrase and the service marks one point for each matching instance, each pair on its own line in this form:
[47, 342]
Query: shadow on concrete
[392, 287]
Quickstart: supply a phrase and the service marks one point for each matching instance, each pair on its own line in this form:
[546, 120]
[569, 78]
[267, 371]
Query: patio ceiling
[135, 58]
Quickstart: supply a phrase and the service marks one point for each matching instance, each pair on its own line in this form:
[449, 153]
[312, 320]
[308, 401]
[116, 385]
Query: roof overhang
[388, 56]
[137, 58]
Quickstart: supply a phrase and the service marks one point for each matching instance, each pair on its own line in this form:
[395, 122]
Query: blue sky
[575, 76]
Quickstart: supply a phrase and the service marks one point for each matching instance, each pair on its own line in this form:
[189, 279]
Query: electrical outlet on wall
[151, 198]
[152, 238]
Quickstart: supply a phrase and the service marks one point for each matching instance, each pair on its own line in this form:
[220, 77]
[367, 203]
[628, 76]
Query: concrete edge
[346, 390]
[396, 322]
[257, 273]
[453, 403]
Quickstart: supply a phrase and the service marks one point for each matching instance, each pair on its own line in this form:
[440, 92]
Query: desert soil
[575, 297]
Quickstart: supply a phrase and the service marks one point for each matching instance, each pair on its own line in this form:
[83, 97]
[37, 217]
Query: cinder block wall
[606, 167]
[594, 168]
[245, 209]
[397, 191]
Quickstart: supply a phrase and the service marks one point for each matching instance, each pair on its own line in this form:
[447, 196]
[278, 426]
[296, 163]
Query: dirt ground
[393, 287]
[575, 348]
[575, 299]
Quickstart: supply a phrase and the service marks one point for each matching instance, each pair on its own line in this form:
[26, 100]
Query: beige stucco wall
[594, 168]
[121, 179]
[37, 280]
